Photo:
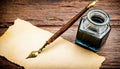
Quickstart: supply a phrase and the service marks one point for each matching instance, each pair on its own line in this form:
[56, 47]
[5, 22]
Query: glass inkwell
[93, 29]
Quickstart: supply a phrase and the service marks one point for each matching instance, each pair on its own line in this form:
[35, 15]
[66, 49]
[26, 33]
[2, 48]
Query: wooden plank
[2, 30]
[53, 13]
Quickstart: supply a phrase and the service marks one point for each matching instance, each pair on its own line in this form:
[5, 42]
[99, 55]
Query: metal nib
[34, 54]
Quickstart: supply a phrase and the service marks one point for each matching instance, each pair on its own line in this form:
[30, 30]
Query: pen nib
[33, 54]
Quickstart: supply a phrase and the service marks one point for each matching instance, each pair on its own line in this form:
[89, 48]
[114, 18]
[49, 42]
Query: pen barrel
[67, 25]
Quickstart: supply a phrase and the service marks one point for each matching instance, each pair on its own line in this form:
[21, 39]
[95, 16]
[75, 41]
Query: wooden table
[52, 14]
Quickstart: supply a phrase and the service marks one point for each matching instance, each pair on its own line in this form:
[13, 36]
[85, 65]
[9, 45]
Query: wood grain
[52, 14]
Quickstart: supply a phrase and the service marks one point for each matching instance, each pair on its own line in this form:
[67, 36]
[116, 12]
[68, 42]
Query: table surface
[52, 14]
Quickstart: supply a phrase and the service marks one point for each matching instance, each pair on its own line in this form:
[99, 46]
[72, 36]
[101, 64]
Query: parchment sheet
[22, 38]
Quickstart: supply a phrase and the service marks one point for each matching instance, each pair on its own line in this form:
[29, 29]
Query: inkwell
[93, 29]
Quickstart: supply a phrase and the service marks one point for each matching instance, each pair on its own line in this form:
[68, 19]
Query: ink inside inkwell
[97, 19]
[93, 30]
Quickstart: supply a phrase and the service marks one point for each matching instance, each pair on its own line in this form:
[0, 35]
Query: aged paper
[22, 38]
